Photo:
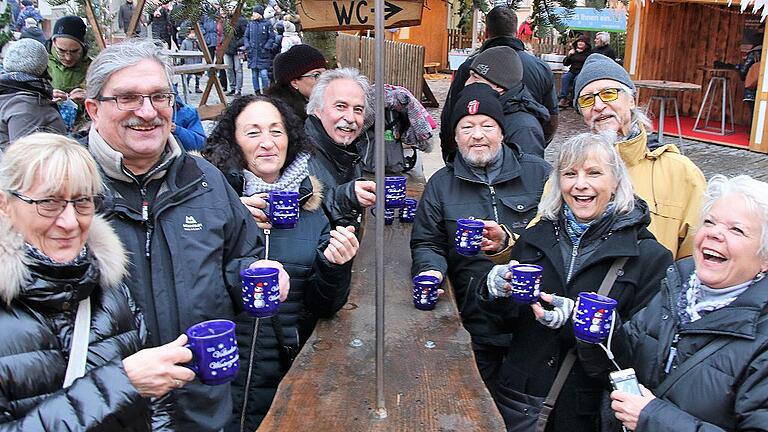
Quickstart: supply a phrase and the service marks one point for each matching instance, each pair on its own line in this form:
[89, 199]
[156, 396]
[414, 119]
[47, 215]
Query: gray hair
[120, 56]
[327, 77]
[603, 37]
[754, 192]
[55, 161]
[574, 152]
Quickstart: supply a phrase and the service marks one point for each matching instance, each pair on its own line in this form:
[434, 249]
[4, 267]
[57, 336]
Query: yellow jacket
[673, 187]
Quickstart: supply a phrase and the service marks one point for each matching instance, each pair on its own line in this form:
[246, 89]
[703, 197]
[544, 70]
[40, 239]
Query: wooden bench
[332, 385]
[431, 67]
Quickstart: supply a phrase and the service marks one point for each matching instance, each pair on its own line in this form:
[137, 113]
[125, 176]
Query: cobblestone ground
[711, 158]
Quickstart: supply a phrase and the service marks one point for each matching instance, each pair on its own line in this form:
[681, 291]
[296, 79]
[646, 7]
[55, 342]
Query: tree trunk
[324, 41]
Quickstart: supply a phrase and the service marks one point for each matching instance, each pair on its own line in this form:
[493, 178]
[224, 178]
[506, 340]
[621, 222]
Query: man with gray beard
[669, 182]
[336, 110]
[488, 181]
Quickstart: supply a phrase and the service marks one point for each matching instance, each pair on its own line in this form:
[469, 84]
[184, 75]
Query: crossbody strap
[570, 358]
[692, 361]
[79, 350]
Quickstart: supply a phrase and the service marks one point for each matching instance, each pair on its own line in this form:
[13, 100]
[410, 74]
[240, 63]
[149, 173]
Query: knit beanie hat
[30, 22]
[477, 99]
[289, 26]
[26, 55]
[27, 3]
[71, 27]
[297, 61]
[499, 65]
[259, 9]
[598, 67]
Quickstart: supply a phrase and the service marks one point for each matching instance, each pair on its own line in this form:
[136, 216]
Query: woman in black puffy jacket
[260, 145]
[59, 259]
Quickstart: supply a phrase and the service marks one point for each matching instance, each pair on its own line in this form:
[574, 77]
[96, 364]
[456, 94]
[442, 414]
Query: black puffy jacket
[337, 167]
[318, 290]
[455, 192]
[536, 351]
[728, 391]
[36, 328]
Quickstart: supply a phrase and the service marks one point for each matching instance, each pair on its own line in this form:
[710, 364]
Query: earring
[760, 275]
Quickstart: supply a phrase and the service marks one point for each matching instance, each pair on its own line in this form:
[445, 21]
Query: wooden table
[669, 87]
[332, 384]
[178, 67]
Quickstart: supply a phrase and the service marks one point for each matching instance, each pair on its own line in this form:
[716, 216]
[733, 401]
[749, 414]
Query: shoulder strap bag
[570, 358]
[78, 352]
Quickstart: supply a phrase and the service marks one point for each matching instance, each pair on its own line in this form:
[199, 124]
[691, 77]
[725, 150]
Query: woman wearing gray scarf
[260, 145]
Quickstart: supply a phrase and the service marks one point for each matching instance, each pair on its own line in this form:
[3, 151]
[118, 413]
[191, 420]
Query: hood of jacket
[582, 39]
[40, 88]
[106, 263]
[510, 41]
[634, 150]
[311, 193]
[520, 99]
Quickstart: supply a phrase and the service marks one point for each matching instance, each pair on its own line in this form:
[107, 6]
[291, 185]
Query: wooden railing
[458, 40]
[404, 62]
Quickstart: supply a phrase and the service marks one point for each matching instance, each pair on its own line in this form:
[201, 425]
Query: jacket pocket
[523, 210]
[519, 410]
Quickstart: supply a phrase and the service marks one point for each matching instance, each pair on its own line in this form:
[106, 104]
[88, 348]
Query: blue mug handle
[192, 365]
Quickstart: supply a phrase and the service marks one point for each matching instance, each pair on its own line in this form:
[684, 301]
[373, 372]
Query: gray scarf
[290, 180]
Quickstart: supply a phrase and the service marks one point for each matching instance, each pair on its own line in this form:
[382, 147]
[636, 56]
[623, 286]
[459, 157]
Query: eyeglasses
[67, 53]
[315, 75]
[605, 95]
[53, 207]
[132, 102]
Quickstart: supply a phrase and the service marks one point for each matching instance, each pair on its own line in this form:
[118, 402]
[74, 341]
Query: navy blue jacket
[260, 44]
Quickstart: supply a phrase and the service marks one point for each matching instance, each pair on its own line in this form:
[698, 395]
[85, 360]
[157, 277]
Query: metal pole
[381, 410]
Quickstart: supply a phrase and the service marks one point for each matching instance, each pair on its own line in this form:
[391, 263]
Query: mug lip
[259, 272]
[470, 223]
[597, 298]
[411, 200]
[536, 267]
[395, 178]
[230, 326]
[284, 192]
[429, 279]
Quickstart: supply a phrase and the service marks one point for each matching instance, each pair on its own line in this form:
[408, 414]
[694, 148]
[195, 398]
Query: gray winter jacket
[25, 108]
[186, 255]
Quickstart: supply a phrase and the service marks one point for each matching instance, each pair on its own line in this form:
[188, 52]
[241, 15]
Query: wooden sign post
[357, 14]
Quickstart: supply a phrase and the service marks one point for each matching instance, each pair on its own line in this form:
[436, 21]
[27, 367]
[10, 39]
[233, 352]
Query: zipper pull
[145, 211]
[672, 355]
[493, 203]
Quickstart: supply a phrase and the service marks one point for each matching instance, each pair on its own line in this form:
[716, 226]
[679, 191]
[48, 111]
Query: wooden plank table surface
[332, 384]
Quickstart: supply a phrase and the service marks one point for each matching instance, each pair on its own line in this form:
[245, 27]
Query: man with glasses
[68, 61]
[669, 182]
[188, 233]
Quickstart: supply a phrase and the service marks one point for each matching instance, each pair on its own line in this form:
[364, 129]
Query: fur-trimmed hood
[312, 200]
[106, 250]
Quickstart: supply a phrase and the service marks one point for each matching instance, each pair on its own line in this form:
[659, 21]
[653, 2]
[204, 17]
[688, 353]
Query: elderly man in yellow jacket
[669, 182]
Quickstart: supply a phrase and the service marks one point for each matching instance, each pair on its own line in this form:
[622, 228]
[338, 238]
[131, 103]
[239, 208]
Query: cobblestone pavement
[711, 158]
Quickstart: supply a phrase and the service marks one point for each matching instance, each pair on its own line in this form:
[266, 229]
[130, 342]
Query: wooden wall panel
[678, 38]
[432, 33]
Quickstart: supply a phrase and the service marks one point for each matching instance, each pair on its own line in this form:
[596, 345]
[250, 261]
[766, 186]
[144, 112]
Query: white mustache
[345, 124]
[135, 121]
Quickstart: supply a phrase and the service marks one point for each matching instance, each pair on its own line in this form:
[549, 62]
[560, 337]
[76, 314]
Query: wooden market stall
[679, 40]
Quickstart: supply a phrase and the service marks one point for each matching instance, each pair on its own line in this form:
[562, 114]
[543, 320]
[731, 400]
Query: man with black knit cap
[296, 72]
[669, 182]
[501, 30]
[501, 69]
[68, 60]
[25, 93]
[487, 181]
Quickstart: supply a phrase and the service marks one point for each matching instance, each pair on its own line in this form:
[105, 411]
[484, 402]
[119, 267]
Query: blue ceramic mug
[283, 209]
[592, 317]
[394, 191]
[525, 283]
[469, 236]
[261, 291]
[214, 351]
[425, 291]
[408, 211]
[389, 215]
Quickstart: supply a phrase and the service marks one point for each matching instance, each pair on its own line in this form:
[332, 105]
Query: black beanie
[71, 27]
[478, 99]
[297, 61]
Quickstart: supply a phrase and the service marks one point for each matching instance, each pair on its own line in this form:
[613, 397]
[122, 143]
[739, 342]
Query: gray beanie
[500, 65]
[26, 55]
[598, 67]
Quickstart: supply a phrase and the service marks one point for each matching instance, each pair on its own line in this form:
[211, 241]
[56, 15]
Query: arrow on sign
[390, 9]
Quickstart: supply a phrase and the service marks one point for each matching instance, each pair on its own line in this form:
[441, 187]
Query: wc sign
[357, 14]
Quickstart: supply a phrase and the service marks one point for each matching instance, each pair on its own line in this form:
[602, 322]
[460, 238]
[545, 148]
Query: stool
[707, 101]
[662, 113]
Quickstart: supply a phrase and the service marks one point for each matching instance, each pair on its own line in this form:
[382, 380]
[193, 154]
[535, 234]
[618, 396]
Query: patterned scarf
[697, 299]
[39, 255]
[290, 180]
[576, 229]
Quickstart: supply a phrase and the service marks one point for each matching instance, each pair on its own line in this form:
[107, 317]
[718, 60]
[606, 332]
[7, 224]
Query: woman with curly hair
[296, 72]
[260, 145]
